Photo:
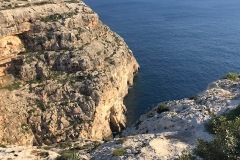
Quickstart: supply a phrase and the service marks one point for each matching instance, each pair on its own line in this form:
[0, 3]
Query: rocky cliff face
[63, 74]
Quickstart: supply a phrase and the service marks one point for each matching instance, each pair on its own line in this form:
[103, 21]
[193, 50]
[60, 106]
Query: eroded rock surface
[173, 127]
[63, 74]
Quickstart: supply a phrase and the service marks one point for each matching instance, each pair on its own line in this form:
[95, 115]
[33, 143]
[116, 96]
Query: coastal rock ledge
[173, 127]
[63, 73]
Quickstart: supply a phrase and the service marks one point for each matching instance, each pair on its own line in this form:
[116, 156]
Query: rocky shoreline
[165, 132]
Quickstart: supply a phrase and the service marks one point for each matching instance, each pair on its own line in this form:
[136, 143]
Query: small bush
[68, 155]
[43, 154]
[150, 114]
[162, 108]
[119, 152]
[232, 76]
[194, 97]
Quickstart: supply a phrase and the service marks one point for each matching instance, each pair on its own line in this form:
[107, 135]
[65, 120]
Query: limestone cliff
[63, 73]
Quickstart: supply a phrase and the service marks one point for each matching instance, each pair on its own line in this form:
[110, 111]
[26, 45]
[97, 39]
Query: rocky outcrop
[63, 74]
[173, 127]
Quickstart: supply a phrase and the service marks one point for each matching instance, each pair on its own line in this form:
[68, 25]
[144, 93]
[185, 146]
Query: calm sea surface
[181, 45]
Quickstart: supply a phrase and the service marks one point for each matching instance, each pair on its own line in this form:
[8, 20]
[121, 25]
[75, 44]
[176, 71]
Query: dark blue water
[181, 45]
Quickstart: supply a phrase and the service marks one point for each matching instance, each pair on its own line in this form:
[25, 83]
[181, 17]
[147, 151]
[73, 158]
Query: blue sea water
[181, 45]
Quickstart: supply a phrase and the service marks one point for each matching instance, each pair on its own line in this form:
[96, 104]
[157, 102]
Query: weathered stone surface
[69, 71]
[165, 135]
[14, 127]
[10, 46]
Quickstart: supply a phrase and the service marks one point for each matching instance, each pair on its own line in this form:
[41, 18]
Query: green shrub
[68, 155]
[42, 3]
[75, 156]
[43, 154]
[63, 145]
[162, 108]
[232, 76]
[194, 97]
[39, 153]
[150, 114]
[119, 152]
[231, 115]
[226, 143]
[12, 87]
[55, 17]
[41, 105]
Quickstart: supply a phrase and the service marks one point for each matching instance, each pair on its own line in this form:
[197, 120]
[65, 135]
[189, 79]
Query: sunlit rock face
[63, 73]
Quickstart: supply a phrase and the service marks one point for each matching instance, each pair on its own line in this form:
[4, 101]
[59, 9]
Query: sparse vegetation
[226, 143]
[68, 155]
[116, 39]
[150, 114]
[41, 106]
[42, 3]
[63, 145]
[47, 147]
[231, 115]
[232, 76]
[42, 154]
[74, 1]
[162, 108]
[25, 127]
[107, 139]
[74, 156]
[194, 97]
[121, 140]
[119, 152]
[2, 146]
[13, 6]
[55, 17]
[11, 87]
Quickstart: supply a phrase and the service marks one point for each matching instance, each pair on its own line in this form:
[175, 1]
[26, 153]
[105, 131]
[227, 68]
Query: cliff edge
[173, 128]
[63, 73]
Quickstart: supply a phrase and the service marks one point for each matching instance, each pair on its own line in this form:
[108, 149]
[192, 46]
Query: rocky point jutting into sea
[63, 77]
